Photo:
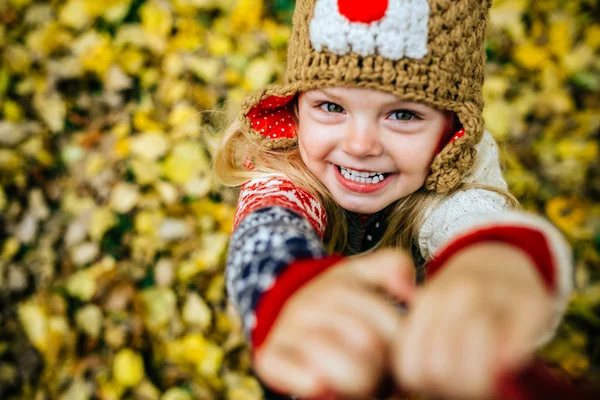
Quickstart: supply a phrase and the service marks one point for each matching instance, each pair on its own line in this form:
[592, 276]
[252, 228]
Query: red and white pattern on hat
[392, 28]
[276, 191]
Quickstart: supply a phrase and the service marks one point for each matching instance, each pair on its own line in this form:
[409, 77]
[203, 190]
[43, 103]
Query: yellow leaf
[211, 363]
[196, 312]
[74, 14]
[94, 164]
[189, 36]
[156, 18]
[17, 59]
[52, 109]
[102, 220]
[82, 285]
[495, 87]
[128, 368]
[531, 56]
[10, 248]
[278, 34]
[185, 161]
[191, 348]
[582, 150]
[34, 320]
[219, 45]
[498, 117]
[99, 58]
[259, 73]
[131, 60]
[568, 214]
[204, 68]
[592, 36]
[12, 111]
[123, 197]
[216, 290]
[145, 171]
[560, 38]
[150, 145]
[557, 101]
[148, 221]
[160, 305]
[143, 122]
[176, 394]
[89, 319]
[121, 130]
[247, 15]
[580, 59]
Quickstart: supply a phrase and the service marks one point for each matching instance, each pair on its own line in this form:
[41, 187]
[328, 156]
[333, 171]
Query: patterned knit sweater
[276, 244]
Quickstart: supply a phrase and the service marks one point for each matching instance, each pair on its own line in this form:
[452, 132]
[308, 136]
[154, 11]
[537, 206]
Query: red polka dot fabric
[273, 118]
[457, 135]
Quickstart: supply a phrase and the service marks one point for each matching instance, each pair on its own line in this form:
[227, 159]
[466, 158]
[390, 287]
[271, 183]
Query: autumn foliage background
[112, 237]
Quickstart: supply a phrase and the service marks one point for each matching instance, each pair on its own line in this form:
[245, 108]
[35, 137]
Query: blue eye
[331, 107]
[404, 115]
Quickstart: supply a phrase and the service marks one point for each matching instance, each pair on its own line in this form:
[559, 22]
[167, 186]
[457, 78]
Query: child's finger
[460, 304]
[447, 344]
[286, 370]
[409, 366]
[381, 315]
[518, 341]
[390, 270]
[477, 362]
[354, 331]
[342, 371]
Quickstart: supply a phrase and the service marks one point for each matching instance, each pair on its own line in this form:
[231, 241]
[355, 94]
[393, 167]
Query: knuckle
[263, 361]
[305, 314]
[365, 341]
[337, 290]
[465, 288]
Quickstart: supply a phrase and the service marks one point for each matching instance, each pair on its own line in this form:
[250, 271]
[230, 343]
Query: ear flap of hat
[269, 119]
[456, 159]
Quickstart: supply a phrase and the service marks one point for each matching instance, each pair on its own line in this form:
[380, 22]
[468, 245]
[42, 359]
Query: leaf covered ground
[112, 238]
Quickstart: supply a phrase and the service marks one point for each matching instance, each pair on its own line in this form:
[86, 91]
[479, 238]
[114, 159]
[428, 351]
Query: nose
[362, 141]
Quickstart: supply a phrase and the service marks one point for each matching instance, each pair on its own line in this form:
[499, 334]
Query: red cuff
[288, 282]
[530, 240]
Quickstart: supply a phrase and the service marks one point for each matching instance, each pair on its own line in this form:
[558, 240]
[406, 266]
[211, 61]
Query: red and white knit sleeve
[475, 216]
[275, 249]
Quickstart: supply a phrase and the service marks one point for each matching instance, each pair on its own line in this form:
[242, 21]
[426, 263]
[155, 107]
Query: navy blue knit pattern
[262, 246]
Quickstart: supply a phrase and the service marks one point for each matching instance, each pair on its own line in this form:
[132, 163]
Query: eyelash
[415, 116]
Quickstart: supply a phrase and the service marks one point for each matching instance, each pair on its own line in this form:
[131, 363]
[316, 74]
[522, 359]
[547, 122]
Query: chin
[361, 207]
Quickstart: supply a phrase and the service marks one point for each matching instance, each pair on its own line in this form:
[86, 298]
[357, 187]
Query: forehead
[358, 95]
[352, 92]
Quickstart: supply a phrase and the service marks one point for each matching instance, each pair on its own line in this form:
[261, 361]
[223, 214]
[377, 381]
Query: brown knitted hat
[430, 51]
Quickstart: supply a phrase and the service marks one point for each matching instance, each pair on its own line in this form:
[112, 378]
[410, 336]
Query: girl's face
[369, 148]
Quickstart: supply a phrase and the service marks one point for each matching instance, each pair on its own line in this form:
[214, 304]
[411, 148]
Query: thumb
[390, 270]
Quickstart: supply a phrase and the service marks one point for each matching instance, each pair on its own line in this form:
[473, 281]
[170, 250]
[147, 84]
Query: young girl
[369, 172]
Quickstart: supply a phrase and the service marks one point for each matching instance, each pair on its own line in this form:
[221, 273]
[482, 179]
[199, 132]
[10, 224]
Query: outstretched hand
[335, 334]
[340, 334]
[478, 319]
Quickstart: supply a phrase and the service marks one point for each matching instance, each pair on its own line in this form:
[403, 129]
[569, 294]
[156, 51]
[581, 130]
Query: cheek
[313, 143]
[415, 157]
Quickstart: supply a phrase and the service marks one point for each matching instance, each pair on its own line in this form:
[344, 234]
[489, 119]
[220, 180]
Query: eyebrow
[326, 93]
[396, 102]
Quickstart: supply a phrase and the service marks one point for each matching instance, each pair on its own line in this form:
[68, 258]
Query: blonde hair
[404, 217]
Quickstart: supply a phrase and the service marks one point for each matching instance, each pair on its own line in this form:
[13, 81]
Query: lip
[358, 187]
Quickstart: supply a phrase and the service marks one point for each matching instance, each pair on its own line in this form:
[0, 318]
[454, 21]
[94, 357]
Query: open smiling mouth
[362, 176]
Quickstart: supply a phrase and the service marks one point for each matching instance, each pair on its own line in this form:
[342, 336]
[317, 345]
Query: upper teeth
[362, 176]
